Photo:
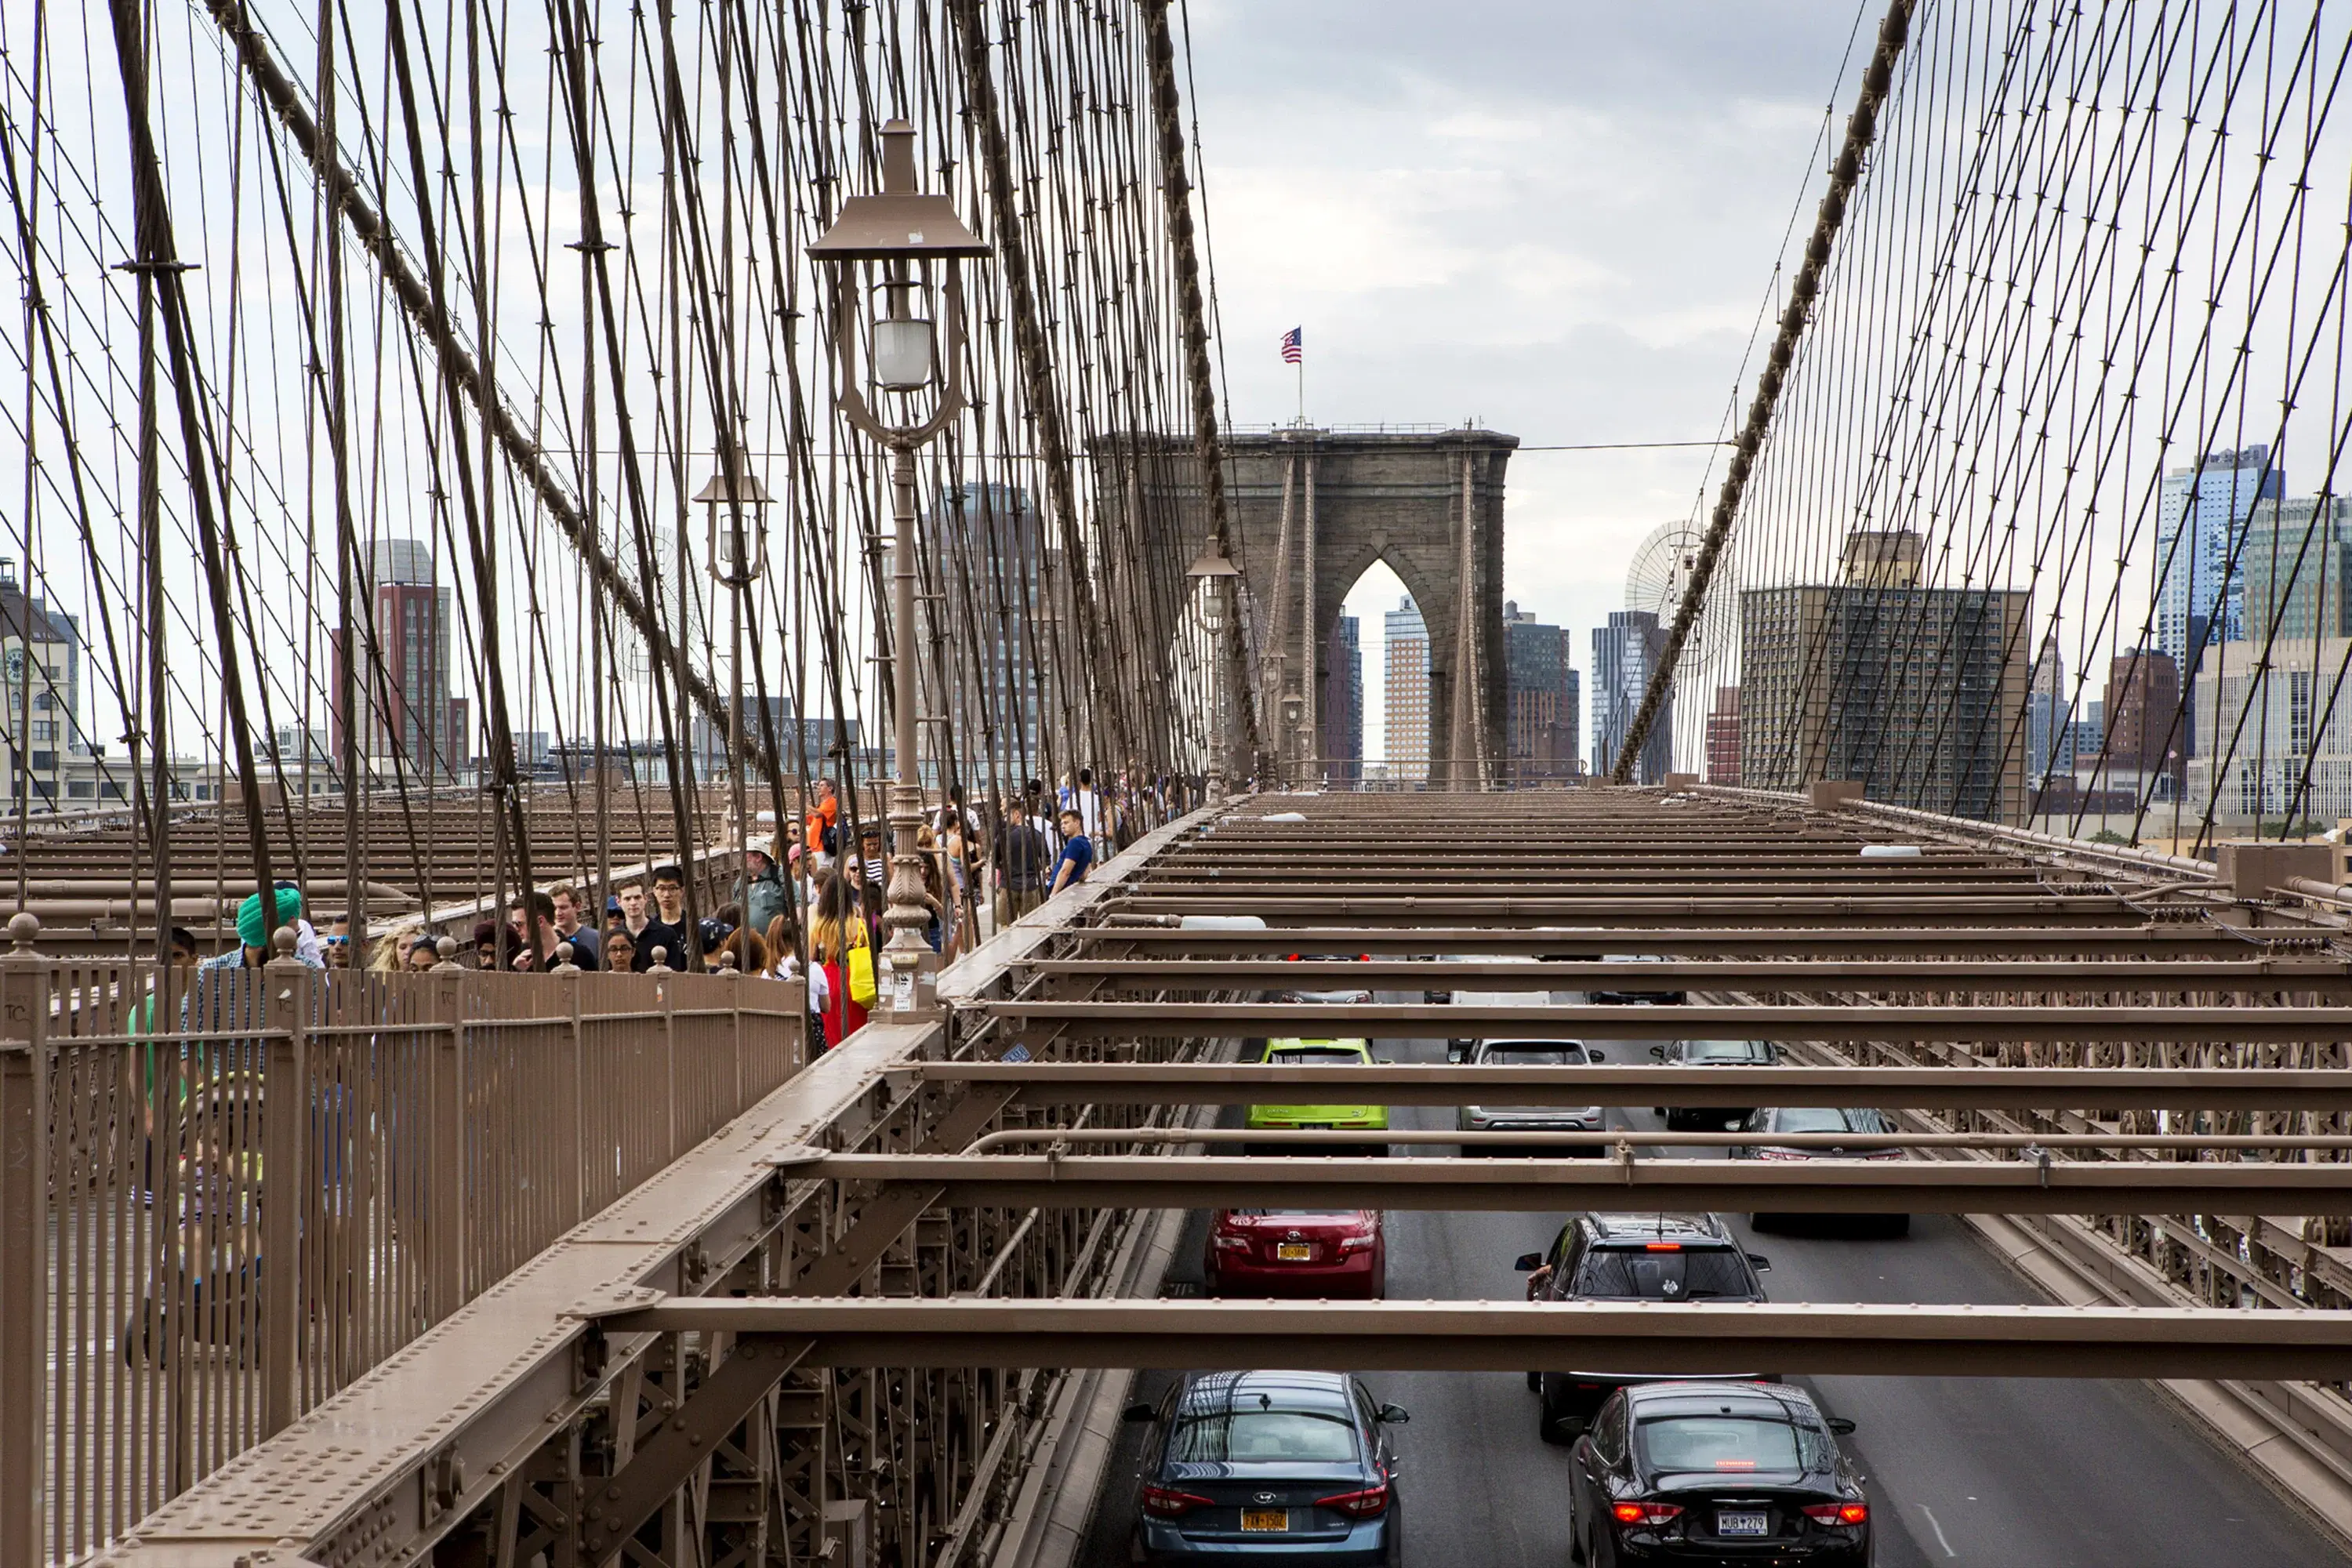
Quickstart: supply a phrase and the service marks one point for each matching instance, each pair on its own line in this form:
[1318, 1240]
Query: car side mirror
[1529, 1262]
[1761, 1264]
[1593, 1056]
[1395, 1415]
[1139, 1412]
[1841, 1426]
[1458, 1051]
[1658, 1053]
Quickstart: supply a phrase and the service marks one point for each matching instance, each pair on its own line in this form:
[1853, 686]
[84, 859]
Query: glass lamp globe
[902, 354]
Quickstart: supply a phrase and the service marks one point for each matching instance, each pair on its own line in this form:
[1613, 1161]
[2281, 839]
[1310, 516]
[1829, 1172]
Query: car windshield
[1677, 1275]
[1719, 1051]
[1815, 1119]
[1309, 1437]
[1730, 1443]
[1558, 1056]
[1310, 1057]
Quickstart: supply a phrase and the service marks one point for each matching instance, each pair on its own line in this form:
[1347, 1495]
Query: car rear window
[1558, 1056]
[1311, 1058]
[1719, 1051]
[1684, 1273]
[1819, 1118]
[1735, 1443]
[1297, 1213]
[1311, 1437]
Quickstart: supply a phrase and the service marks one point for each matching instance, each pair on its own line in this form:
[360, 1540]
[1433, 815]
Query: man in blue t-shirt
[1077, 854]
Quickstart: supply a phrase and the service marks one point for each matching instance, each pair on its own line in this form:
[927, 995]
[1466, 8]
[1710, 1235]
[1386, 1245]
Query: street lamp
[737, 557]
[883, 248]
[1215, 572]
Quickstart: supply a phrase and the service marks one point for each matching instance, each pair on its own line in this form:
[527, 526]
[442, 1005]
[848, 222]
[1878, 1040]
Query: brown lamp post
[887, 248]
[1215, 572]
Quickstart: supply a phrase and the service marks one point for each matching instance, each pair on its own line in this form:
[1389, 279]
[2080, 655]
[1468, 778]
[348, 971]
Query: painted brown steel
[2332, 976]
[1821, 1185]
[1921, 1089]
[2165, 941]
[1406, 1021]
[1399, 1336]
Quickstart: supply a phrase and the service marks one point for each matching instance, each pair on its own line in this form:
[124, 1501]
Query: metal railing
[444, 1128]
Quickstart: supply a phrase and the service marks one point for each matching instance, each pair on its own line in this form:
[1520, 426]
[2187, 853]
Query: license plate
[1743, 1523]
[1293, 1251]
[1265, 1519]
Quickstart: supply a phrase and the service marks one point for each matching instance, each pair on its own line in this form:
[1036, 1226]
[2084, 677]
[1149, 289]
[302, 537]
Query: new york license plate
[1743, 1523]
[1265, 1519]
[1293, 1251]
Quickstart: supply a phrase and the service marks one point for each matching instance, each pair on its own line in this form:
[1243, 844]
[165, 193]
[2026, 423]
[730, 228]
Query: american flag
[1293, 346]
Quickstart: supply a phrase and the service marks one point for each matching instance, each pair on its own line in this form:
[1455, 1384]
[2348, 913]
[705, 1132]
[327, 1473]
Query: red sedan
[1296, 1252]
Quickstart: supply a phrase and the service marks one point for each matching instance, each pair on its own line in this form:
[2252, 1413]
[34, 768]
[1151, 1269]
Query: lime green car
[1341, 1118]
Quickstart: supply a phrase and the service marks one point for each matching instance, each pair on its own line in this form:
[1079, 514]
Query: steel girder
[1822, 1185]
[1911, 1088]
[1692, 1021]
[1401, 1336]
[2313, 974]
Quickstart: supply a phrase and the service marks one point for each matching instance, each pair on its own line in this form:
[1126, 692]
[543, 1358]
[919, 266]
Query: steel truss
[821, 1335]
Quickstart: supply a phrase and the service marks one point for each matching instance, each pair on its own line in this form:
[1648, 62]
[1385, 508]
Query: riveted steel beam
[2323, 975]
[2148, 942]
[1412, 1021]
[1917, 1088]
[1401, 1336]
[1824, 1186]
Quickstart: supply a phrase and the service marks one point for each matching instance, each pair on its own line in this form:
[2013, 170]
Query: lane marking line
[1938, 1529]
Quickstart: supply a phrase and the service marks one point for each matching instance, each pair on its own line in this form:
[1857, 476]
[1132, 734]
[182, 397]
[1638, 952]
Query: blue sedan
[1267, 1467]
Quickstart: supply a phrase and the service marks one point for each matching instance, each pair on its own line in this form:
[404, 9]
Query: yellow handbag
[859, 966]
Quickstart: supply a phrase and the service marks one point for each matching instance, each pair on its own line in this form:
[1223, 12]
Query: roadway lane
[2003, 1473]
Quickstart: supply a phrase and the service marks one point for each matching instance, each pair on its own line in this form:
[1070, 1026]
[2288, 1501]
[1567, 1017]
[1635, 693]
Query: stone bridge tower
[1313, 509]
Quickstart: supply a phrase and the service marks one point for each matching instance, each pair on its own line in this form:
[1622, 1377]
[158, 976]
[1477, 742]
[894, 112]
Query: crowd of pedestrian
[811, 901]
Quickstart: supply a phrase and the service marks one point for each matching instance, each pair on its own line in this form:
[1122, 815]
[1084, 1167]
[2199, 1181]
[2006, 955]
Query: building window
[82, 789]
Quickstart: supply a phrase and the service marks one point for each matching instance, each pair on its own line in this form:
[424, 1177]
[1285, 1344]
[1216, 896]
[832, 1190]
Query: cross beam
[1399, 1336]
[1909, 1025]
[2329, 975]
[1798, 1186]
[1916, 1089]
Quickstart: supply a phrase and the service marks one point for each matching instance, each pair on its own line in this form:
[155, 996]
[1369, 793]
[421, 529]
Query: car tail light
[1782, 1155]
[1662, 1246]
[1228, 1242]
[1838, 1512]
[1884, 1154]
[1170, 1503]
[1358, 1505]
[1644, 1513]
[1358, 1240]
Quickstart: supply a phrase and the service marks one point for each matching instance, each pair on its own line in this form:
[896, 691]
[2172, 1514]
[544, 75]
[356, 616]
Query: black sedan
[1713, 1054]
[1715, 1473]
[1268, 1467]
[1858, 1123]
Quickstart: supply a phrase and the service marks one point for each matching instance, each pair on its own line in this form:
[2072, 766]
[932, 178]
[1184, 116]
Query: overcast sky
[1559, 218]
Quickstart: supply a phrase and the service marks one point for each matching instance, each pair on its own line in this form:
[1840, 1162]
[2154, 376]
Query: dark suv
[1632, 1258]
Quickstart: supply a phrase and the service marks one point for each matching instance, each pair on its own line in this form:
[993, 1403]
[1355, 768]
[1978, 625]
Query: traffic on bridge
[769, 801]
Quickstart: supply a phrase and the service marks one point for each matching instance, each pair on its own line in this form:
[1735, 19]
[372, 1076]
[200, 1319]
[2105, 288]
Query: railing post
[24, 1247]
[445, 1141]
[669, 1058]
[575, 1066]
[734, 978]
[289, 1176]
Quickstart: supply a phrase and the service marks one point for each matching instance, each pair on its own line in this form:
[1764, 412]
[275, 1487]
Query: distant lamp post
[1215, 572]
[883, 249]
[737, 557]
